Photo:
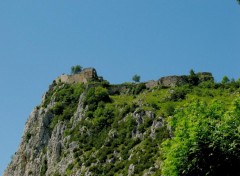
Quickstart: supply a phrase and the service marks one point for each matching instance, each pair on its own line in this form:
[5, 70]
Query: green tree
[233, 80]
[238, 80]
[225, 80]
[193, 78]
[136, 78]
[192, 73]
[205, 141]
[76, 69]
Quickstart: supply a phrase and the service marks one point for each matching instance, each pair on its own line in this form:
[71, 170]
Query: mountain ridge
[90, 127]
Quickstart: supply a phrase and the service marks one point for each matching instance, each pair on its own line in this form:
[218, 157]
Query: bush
[94, 96]
[169, 109]
[44, 168]
[139, 88]
[225, 80]
[193, 78]
[206, 141]
[57, 109]
[177, 94]
[28, 136]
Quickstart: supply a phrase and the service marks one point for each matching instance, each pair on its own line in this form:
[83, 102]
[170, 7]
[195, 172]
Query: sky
[40, 40]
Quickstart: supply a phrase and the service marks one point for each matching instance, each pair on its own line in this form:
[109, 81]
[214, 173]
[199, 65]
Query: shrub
[177, 94]
[28, 136]
[225, 80]
[95, 95]
[58, 108]
[44, 168]
[193, 78]
[139, 88]
[169, 109]
[205, 141]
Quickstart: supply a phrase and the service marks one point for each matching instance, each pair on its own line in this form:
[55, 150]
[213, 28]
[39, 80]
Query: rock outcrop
[86, 75]
[173, 81]
[67, 145]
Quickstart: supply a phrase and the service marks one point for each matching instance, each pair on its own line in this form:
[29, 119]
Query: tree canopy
[136, 78]
[205, 140]
[76, 69]
[225, 80]
[193, 78]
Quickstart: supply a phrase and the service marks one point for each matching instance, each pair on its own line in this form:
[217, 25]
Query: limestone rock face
[41, 149]
[35, 138]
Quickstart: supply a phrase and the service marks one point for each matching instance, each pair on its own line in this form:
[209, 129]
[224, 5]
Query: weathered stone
[131, 169]
[172, 81]
[158, 123]
[151, 84]
[86, 75]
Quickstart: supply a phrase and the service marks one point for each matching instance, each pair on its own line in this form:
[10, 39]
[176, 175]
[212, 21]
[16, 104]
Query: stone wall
[172, 81]
[87, 74]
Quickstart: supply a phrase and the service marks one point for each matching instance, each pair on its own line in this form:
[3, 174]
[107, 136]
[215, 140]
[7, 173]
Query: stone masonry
[86, 75]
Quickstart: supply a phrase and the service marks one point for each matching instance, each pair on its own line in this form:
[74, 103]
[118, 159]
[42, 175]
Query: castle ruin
[173, 81]
[86, 75]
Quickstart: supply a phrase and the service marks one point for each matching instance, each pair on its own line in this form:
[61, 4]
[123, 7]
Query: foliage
[179, 93]
[28, 136]
[94, 96]
[225, 80]
[138, 88]
[136, 78]
[66, 100]
[193, 78]
[105, 130]
[117, 130]
[76, 69]
[206, 141]
[44, 168]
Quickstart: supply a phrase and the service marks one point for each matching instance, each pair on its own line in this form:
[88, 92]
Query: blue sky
[40, 40]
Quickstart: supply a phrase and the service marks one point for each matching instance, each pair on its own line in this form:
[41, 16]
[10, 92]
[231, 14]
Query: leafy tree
[238, 80]
[136, 78]
[225, 80]
[205, 141]
[192, 73]
[193, 78]
[233, 80]
[94, 96]
[76, 69]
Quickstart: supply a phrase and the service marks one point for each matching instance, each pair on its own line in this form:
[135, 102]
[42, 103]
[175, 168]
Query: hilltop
[176, 125]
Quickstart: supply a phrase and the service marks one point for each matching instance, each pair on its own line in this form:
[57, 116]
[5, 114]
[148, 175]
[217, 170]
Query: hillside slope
[131, 129]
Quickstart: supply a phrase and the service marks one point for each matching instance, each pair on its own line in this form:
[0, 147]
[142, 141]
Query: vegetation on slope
[205, 141]
[197, 133]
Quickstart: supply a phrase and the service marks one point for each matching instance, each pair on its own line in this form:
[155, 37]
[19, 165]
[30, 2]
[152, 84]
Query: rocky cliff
[89, 127]
[79, 129]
